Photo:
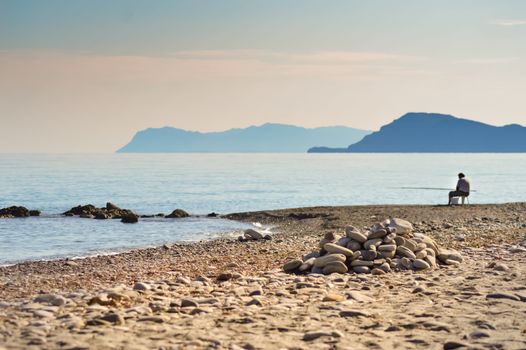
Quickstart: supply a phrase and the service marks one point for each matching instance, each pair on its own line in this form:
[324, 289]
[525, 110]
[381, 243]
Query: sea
[221, 183]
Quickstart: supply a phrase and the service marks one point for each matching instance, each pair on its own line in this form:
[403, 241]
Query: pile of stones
[382, 248]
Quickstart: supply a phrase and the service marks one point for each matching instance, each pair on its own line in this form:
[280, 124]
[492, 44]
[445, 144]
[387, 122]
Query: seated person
[462, 188]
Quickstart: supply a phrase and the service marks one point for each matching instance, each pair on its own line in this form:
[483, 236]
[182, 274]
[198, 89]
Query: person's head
[461, 175]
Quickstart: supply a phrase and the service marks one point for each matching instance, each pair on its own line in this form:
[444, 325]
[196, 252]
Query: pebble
[361, 269]
[189, 303]
[326, 259]
[292, 265]
[52, 299]
[309, 336]
[359, 296]
[141, 286]
[333, 248]
[334, 267]
[450, 345]
[355, 234]
[479, 334]
[503, 296]
[420, 264]
[334, 297]
[114, 318]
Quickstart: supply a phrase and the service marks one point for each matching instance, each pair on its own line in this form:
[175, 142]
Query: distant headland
[432, 132]
[411, 133]
[272, 138]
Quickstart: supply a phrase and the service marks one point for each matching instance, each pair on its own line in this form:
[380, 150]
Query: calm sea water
[202, 183]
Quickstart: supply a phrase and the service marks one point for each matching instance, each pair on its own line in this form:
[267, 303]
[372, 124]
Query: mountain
[264, 138]
[430, 132]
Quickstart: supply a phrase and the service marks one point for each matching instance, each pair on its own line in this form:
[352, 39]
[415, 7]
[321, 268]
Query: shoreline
[308, 222]
[228, 294]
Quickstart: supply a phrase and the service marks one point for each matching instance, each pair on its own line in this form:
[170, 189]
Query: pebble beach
[233, 294]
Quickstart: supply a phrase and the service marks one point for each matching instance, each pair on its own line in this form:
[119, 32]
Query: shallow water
[202, 183]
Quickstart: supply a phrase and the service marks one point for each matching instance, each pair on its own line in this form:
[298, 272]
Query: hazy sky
[84, 76]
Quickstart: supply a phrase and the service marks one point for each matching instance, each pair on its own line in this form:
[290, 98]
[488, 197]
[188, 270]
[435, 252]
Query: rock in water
[178, 213]
[14, 212]
[130, 219]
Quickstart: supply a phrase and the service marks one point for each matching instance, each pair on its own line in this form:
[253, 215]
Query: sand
[180, 303]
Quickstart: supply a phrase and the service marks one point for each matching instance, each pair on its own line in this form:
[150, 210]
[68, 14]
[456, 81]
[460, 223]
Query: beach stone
[354, 245]
[361, 269]
[354, 233]
[141, 286]
[292, 265]
[405, 263]
[311, 255]
[402, 227]
[431, 260]
[387, 248]
[479, 334]
[385, 255]
[372, 243]
[317, 270]
[385, 267]
[369, 255]
[379, 233]
[343, 241]
[189, 303]
[52, 299]
[405, 252]
[377, 272]
[252, 234]
[503, 296]
[399, 240]
[333, 297]
[421, 254]
[420, 264]
[225, 276]
[501, 267]
[334, 267]
[359, 296]
[329, 237]
[324, 260]
[410, 244]
[444, 255]
[114, 318]
[307, 265]
[333, 248]
[309, 336]
[362, 263]
[450, 345]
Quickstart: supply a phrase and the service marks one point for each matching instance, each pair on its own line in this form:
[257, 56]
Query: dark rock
[130, 218]
[450, 345]
[111, 206]
[14, 212]
[147, 216]
[213, 215]
[101, 216]
[267, 237]
[89, 211]
[178, 213]
[160, 215]
[34, 213]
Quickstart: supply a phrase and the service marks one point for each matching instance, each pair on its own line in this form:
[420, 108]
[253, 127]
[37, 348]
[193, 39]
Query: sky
[84, 76]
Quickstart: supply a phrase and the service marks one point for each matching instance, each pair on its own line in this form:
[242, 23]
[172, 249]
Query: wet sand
[180, 303]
